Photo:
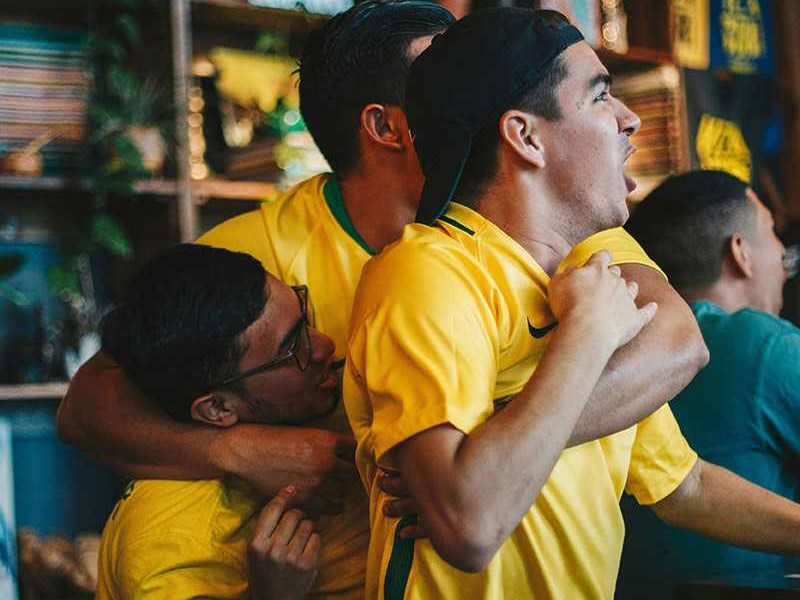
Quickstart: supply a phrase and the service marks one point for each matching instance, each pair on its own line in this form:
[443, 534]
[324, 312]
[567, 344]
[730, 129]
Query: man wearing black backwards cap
[512, 116]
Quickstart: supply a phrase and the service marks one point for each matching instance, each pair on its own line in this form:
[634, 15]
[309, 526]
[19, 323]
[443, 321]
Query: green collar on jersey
[335, 201]
[457, 224]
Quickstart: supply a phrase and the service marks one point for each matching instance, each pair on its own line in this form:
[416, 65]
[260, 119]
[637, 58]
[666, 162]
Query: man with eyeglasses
[715, 240]
[319, 233]
[209, 336]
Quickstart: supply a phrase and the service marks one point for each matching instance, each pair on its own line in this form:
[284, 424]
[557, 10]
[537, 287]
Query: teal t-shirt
[741, 412]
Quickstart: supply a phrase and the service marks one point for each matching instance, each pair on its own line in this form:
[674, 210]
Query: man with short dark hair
[320, 233]
[714, 239]
[209, 336]
[455, 329]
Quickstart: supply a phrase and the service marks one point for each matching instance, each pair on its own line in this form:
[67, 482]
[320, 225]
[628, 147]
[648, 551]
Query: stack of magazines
[45, 82]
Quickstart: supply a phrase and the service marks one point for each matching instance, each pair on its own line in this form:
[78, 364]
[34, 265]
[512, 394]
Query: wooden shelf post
[181, 59]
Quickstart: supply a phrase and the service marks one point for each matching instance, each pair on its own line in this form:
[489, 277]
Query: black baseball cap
[472, 73]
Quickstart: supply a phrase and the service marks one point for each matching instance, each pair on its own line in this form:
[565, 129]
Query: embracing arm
[105, 416]
[455, 478]
[473, 489]
[718, 504]
[651, 369]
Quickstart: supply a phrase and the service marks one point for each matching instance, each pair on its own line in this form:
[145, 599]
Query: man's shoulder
[289, 214]
[745, 322]
[202, 509]
[422, 253]
[304, 202]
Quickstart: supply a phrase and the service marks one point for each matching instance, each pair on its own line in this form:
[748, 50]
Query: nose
[322, 347]
[629, 121]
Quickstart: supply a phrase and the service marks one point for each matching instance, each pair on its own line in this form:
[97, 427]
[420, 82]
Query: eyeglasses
[299, 345]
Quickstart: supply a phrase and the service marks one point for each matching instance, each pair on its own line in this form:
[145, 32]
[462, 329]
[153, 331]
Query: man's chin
[623, 216]
[617, 219]
[326, 410]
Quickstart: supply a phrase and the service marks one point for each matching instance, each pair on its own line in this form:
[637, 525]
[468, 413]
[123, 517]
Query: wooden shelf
[213, 189]
[209, 189]
[12, 182]
[634, 59]
[34, 391]
[240, 14]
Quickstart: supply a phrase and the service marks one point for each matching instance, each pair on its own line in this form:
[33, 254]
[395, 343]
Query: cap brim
[443, 177]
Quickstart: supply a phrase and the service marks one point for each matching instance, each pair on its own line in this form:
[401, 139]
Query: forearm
[106, 417]
[651, 369]
[718, 504]
[495, 473]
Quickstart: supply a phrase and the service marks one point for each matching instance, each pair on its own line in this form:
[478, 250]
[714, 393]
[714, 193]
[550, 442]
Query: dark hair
[481, 165]
[685, 224]
[358, 57]
[178, 327]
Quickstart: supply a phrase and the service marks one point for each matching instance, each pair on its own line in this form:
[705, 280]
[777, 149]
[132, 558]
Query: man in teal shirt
[714, 239]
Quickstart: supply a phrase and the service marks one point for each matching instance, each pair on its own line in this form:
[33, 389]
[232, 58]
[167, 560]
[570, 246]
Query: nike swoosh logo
[540, 332]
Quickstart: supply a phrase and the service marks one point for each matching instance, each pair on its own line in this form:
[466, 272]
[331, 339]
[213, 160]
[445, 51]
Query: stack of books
[654, 95]
[45, 82]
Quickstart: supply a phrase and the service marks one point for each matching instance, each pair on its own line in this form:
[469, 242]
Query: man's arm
[720, 505]
[472, 489]
[104, 415]
[649, 371]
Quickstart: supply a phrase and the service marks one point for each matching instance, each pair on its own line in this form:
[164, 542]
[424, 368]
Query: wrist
[223, 454]
[589, 330]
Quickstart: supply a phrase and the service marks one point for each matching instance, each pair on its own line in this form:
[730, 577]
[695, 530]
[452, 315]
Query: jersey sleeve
[423, 349]
[660, 459]
[780, 406]
[178, 566]
[624, 250]
[246, 233]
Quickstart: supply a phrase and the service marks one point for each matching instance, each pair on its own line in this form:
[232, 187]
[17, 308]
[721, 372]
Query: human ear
[214, 409]
[518, 130]
[740, 253]
[385, 125]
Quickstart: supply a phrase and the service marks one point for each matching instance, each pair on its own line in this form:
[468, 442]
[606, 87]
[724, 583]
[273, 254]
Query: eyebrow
[297, 324]
[604, 78]
[292, 329]
[291, 333]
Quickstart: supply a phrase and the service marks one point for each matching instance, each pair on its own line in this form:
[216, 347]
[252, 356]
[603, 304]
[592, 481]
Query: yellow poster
[743, 40]
[721, 146]
[691, 31]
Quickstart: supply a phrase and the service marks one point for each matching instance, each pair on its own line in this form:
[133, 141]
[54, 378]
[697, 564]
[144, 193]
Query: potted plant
[126, 110]
[126, 146]
[125, 119]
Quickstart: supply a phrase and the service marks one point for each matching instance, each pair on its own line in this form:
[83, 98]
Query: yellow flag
[721, 146]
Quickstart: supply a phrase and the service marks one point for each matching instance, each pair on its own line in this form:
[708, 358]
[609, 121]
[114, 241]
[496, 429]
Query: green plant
[129, 102]
[120, 100]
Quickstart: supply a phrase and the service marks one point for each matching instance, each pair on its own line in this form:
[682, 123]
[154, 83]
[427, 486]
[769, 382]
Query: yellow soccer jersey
[447, 322]
[305, 237]
[175, 540]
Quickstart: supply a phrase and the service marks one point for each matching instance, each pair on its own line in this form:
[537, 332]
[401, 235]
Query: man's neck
[378, 207]
[532, 223]
[728, 297]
